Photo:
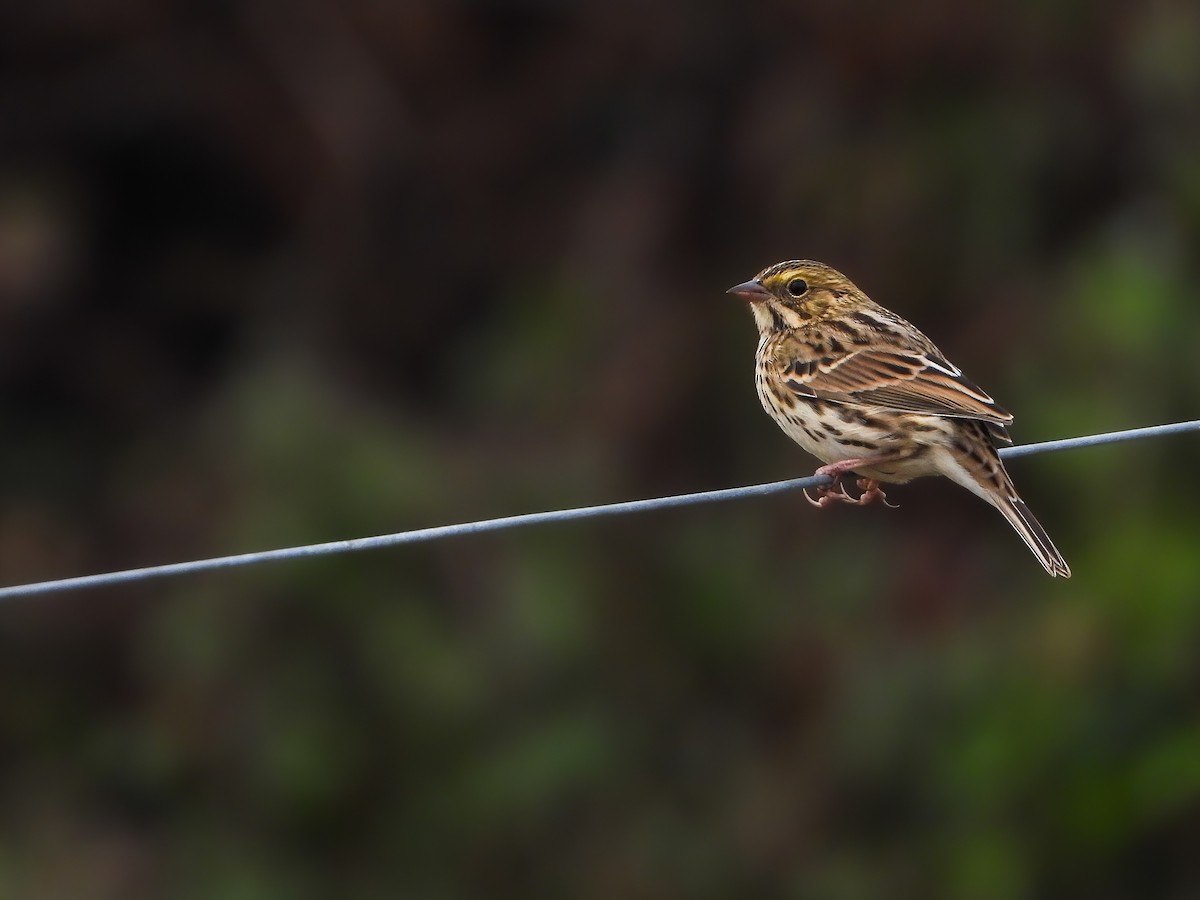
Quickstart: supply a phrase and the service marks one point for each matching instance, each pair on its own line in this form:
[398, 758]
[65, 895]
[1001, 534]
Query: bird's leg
[841, 467]
[836, 492]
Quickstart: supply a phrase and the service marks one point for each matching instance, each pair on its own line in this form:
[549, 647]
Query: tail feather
[975, 464]
[1032, 532]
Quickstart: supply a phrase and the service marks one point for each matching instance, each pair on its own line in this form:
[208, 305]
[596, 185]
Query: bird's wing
[905, 379]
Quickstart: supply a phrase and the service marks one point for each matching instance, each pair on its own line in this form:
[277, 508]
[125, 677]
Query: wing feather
[904, 379]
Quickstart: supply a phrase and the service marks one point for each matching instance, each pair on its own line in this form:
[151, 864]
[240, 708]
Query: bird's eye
[797, 287]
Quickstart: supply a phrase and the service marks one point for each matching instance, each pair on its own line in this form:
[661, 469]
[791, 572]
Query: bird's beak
[750, 291]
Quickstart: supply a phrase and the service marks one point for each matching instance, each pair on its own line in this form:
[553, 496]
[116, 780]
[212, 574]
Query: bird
[868, 394]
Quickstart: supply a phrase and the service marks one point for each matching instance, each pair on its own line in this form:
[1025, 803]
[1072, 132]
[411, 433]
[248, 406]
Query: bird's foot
[831, 494]
[871, 491]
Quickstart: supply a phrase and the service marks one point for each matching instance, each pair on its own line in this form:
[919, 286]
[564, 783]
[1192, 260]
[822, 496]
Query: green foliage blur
[284, 273]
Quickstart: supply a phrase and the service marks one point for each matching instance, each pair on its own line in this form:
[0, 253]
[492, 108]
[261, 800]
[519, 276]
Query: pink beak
[750, 291]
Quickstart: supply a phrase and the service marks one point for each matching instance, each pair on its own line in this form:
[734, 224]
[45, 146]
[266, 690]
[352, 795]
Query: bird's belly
[833, 432]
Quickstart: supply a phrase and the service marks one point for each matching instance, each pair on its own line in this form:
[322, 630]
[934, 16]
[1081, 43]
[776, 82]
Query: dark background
[275, 273]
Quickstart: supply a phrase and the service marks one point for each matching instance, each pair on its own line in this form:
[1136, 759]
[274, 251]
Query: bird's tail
[1031, 531]
[979, 469]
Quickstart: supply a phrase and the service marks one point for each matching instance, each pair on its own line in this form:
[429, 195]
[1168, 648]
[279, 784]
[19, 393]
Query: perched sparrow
[865, 392]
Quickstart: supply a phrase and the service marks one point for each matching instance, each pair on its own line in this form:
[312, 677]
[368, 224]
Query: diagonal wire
[558, 515]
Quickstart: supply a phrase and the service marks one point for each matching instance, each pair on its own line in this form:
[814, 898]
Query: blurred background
[281, 273]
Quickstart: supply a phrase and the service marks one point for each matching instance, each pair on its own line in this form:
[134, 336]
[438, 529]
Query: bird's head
[796, 293]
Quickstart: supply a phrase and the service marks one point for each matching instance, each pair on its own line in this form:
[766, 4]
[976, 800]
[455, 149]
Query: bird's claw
[830, 494]
[871, 491]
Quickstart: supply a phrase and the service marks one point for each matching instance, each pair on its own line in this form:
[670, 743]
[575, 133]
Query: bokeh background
[274, 273]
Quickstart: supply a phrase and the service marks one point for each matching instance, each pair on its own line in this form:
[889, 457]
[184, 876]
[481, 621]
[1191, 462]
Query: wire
[1093, 440]
[559, 515]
